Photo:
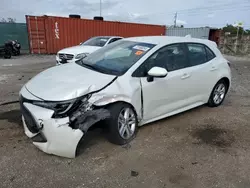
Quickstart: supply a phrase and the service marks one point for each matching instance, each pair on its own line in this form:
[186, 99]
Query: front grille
[66, 56]
[28, 118]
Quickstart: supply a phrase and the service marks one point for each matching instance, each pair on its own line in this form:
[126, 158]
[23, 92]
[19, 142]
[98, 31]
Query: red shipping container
[48, 35]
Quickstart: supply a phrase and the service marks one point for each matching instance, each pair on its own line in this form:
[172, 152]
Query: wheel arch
[125, 102]
[106, 100]
[226, 80]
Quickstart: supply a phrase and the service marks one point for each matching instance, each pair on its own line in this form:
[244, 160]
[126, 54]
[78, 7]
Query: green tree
[8, 20]
[247, 31]
[233, 30]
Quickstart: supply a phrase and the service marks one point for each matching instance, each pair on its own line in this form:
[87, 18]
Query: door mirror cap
[158, 72]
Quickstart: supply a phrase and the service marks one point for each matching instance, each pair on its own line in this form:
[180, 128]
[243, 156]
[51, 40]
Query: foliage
[8, 20]
[233, 30]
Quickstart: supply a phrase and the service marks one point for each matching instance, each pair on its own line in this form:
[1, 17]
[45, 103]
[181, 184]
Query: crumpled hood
[67, 82]
[79, 49]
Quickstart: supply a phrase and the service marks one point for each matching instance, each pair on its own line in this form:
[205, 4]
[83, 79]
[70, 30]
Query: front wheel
[7, 55]
[218, 94]
[123, 123]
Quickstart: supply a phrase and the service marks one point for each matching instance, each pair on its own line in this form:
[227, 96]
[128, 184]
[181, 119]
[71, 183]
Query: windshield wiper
[92, 67]
[99, 69]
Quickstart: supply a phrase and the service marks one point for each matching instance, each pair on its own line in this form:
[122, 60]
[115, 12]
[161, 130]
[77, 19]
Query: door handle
[213, 68]
[185, 76]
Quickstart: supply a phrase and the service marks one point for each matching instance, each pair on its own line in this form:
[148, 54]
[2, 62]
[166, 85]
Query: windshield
[96, 41]
[116, 58]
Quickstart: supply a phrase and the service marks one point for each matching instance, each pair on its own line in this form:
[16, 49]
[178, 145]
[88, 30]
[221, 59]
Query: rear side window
[197, 54]
[210, 54]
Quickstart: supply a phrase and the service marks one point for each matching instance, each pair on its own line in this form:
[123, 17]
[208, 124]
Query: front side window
[96, 41]
[171, 57]
[116, 58]
[197, 54]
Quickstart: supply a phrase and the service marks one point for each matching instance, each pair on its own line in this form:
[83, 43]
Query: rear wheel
[123, 124]
[218, 94]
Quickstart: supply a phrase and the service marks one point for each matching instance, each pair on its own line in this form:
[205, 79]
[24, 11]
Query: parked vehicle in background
[16, 47]
[5, 50]
[127, 84]
[72, 54]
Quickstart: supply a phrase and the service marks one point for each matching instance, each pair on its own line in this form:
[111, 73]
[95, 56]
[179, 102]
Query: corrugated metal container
[51, 34]
[214, 35]
[201, 33]
[37, 34]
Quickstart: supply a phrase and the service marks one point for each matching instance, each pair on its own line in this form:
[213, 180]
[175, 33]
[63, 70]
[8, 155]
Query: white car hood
[79, 49]
[67, 82]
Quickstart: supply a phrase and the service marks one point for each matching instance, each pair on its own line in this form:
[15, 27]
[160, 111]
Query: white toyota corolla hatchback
[126, 84]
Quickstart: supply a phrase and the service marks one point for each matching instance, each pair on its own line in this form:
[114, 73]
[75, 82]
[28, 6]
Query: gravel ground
[204, 147]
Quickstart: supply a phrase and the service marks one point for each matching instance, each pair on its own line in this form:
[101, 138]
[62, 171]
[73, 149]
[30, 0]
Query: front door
[165, 95]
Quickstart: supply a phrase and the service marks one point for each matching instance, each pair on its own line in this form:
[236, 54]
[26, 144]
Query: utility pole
[236, 42]
[100, 7]
[175, 18]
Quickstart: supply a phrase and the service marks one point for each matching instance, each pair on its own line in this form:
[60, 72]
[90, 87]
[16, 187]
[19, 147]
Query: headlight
[80, 56]
[58, 107]
[62, 107]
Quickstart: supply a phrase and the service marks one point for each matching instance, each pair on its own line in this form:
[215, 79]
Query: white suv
[72, 54]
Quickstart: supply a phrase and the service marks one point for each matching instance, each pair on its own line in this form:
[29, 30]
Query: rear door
[203, 70]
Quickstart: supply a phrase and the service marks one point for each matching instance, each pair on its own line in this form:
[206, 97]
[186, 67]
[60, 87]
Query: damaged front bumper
[56, 135]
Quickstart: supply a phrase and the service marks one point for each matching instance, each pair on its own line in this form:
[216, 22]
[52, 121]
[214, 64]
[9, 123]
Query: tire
[7, 55]
[114, 124]
[217, 101]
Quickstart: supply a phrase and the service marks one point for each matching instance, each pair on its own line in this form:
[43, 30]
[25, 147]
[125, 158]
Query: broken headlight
[58, 107]
[62, 107]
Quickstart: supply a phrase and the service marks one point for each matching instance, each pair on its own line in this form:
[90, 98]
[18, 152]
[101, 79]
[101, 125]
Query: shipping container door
[37, 37]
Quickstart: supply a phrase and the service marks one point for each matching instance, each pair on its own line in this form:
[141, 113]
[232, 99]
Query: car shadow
[95, 135]
[175, 116]
[12, 116]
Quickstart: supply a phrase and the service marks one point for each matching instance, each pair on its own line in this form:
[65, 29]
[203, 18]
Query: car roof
[164, 40]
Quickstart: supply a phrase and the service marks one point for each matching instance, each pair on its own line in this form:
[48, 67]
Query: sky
[191, 13]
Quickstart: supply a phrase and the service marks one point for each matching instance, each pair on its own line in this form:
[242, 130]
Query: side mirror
[157, 72]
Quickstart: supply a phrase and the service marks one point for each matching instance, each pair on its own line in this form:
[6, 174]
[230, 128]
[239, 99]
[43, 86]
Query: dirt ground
[204, 147]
